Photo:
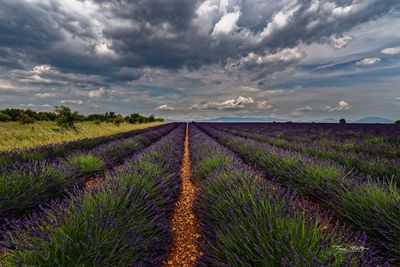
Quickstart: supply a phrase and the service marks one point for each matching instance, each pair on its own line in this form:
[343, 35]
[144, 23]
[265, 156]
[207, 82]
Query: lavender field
[206, 194]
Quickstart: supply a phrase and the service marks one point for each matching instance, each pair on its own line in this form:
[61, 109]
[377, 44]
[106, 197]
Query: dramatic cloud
[391, 51]
[227, 24]
[198, 56]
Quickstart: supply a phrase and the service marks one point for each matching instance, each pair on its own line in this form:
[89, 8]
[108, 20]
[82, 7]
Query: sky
[186, 59]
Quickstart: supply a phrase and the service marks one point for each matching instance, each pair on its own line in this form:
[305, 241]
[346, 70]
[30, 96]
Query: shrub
[342, 121]
[151, 118]
[4, 117]
[118, 120]
[87, 164]
[23, 190]
[24, 118]
[65, 118]
[397, 122]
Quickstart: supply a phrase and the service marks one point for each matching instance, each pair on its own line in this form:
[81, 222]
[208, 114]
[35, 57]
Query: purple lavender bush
[122, 222]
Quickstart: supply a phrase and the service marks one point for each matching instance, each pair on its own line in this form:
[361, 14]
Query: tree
[140, 119]
[118, 120]
[342, 121]
[65, 118]
[4, 117]
[24, 118]
[397, 122]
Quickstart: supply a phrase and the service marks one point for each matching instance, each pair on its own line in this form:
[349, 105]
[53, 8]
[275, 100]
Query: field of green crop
[15, 135]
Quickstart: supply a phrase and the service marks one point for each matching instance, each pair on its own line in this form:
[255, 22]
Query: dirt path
[184, 222]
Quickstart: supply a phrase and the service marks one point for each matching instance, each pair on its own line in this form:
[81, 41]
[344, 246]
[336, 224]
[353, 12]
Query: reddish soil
[92, 182]
[96, 180]
[184, 222]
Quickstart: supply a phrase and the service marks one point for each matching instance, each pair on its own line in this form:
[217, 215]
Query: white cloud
[301, 111]
[264, 105]
[206, 12]
[104, 49]
[279, 21]
[45, 95]
[284, 55]
[165, 108]
[391, 51]
[41, 69]
[239, 102]
[248, 89]
[341, 106]
[276, 92]
[227, 24]
[340, 41]
[6, 85]
[74, 102]
[96, 93]
[35, 106]
[369, 61]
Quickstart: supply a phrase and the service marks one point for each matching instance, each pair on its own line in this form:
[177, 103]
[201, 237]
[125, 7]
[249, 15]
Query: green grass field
[14, 135]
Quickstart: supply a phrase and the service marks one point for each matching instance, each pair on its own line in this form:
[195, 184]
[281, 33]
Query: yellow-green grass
[14, 135]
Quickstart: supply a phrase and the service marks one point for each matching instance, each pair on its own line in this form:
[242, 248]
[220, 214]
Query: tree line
[63, 115]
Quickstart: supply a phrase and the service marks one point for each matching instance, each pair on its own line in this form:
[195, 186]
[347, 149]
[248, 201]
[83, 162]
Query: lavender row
[245, 223]
[369, 206]
[378, 167]
[52, 151]
[122, 222]
[373, 140]
[27, 185]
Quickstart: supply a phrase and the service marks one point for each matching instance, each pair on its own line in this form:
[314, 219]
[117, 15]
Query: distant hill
[373, 120]
[243, 119]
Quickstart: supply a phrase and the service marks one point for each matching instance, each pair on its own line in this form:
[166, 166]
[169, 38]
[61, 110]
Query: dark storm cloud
[177, 13]
[156, 52]
[313, 21]
[24, 25]
[169, 34]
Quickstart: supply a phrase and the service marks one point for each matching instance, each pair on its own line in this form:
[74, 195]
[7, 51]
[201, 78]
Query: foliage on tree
[4, 117]
[342, 121]
[66, 118]
[14, 113]
[24, 118]
[397, 122]
[118, 119]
